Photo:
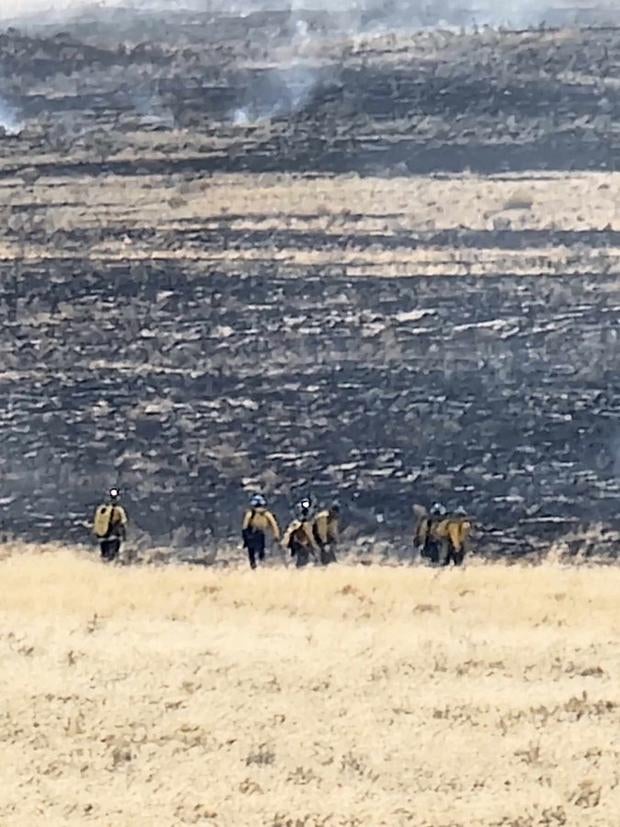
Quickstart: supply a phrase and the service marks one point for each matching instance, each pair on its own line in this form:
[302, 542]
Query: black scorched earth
[193, 356]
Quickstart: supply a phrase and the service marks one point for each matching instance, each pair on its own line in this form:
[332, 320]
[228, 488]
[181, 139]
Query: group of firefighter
[312, 536]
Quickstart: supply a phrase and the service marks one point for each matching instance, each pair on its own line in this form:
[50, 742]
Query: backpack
[103, 521]
[296, 533]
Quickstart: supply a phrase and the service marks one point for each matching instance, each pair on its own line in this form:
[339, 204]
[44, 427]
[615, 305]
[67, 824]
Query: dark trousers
[255, 544]
[110, 548]
[301, 554]
[454, 556]
[432, 550]
[327, 553]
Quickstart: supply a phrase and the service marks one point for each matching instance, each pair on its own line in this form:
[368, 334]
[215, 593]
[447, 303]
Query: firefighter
[110, 526]
[299, 538]
[426, 539]
[326, 532]
[458, 530]
[257, 521]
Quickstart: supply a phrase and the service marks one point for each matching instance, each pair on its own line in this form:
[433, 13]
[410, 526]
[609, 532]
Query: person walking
[257, 520]
[110, 526]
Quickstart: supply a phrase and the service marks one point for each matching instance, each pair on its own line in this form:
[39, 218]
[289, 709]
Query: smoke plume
[9, 122]
[287, 87]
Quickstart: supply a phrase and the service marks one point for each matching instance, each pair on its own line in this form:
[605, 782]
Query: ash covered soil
[258, 251]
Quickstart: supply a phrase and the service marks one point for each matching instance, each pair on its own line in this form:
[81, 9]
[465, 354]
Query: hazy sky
[522, 11]
[13, 8]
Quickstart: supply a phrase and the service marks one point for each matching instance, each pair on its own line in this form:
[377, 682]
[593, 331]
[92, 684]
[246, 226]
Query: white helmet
[303, 507]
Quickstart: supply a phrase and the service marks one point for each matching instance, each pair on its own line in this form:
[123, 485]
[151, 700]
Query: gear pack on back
[102, 523]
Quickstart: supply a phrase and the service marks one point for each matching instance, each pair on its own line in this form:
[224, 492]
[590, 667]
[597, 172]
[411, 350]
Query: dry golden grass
[351, 696]
[351, 212]
[567, 201]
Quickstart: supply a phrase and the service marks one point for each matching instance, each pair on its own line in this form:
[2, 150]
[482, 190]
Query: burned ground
[243, 253]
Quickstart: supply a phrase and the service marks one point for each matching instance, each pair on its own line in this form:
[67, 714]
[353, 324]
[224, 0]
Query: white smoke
[282, 90]
[289, 84]
[9, 122]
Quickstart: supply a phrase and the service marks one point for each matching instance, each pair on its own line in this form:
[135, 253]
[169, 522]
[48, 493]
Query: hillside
[259, 251]
[358, 696]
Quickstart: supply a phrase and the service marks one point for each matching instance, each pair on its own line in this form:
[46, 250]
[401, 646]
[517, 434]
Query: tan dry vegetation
[350, 696]
[350, 214]
[352, 262]
[572, 202]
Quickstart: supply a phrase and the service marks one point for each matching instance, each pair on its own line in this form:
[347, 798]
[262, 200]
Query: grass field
[350, 696]
[338, 222]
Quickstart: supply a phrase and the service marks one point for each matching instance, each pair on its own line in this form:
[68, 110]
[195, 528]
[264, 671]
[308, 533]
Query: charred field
[272, 251]
[258, 251]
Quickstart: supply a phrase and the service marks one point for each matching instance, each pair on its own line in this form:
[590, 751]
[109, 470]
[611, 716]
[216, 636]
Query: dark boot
[327, 556]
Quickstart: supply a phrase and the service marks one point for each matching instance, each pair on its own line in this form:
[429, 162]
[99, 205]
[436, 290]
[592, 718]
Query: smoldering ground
[522, 362]
[10, 123]
[295, 71]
